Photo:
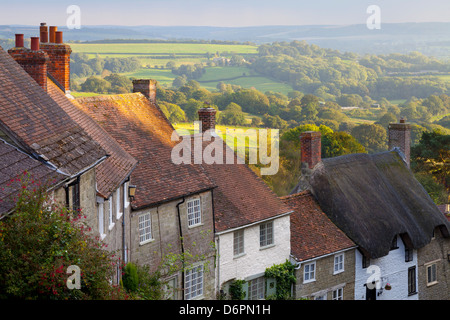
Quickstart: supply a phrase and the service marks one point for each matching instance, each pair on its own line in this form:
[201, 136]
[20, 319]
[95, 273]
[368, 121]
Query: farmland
[154, 57]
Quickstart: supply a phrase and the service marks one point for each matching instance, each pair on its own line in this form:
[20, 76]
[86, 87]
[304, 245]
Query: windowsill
[267, 247]
[200, 297]
[432, 283]
[195, 225]
[337, 272]
[309, 281]
[111, 226]
[146, 241]
[239, 255]
[412, 293]
[102, 236]
[119, 215]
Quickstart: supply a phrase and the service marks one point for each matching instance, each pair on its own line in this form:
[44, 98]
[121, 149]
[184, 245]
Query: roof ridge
[299, 194]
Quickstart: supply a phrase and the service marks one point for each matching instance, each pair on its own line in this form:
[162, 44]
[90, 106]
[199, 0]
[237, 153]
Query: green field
[154, 57]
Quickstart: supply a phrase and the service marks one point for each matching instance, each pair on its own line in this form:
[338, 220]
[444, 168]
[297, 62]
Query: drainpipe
[182, 246]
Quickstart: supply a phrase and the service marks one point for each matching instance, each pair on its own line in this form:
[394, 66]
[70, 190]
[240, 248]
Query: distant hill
[431, 38]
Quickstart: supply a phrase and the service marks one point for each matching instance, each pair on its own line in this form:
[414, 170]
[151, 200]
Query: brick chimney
[59, 54]
[147, 87]
[207, 116]
[400, 137]
[34, 61]
[311, 146]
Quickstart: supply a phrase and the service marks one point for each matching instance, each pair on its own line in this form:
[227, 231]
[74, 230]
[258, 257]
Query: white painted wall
[255, 260]
[392, 269]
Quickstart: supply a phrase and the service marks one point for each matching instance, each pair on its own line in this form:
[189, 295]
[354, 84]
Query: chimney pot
[19, 40]
[53, 30]
[59, 37]
[34, 43]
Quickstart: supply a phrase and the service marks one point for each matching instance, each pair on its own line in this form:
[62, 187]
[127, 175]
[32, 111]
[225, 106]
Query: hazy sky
[222, 13]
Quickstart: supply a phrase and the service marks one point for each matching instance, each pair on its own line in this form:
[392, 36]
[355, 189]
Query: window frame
[338, 294]
[101, 220]
[257, 288]
[429, 268]
[145, 237]
[110, 213]
[412, 282]
[266, 234]
[309, 272]
[342, 263]
[191, 278]
[238, 243]
[118, 204]
[194, 218]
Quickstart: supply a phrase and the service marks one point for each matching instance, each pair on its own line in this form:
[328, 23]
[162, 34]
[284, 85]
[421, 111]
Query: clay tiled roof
[241, 197]
[143, 131]
[118, 166]
[37, 124]
[12, 165]
[312, 232]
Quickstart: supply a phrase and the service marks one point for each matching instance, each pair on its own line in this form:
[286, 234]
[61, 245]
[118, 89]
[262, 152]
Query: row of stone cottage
[356, 227]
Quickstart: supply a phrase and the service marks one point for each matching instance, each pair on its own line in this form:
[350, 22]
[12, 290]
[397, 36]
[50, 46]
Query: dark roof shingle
[37, 124]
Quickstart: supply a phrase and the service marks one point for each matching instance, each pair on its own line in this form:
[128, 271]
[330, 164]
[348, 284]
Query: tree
[38, 243]
[94, 84]
[371, 136]
[432, 156]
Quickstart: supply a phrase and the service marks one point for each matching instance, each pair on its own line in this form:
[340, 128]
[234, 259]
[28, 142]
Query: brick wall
[311, 148]
[400, 136]
[147, 87]
[207, 116]
[434, 253]
[59, 64]
[326, 280]
[35, 63]
[165, 229]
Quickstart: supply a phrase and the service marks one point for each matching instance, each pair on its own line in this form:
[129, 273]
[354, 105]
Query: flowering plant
[40, 240]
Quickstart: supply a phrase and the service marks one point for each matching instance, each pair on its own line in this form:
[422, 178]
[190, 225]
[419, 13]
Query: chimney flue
[34, 43]
[59, 37]
[53, 30]
[43, 32]
[311, 148]
[19, 40]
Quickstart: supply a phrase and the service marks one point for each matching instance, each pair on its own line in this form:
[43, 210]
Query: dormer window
[394, 243]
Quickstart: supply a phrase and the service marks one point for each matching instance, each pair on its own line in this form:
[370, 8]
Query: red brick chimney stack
[311, 146]
[207, 116]
[34, 61]
[400, 137]
[59, 54]
[147, 87]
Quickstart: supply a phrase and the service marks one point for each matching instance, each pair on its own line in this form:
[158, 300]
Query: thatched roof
[373, 198]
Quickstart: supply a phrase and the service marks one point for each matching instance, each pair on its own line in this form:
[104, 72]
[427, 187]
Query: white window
[238, 242]
[110, 213]
[145, 228]
[256, 288]
[338, 263]
[309, 272]
[101, 227]
[194, 212]
[266, 234]
[125, 195]
[193, 283]
[338, 294]
[431, 274]
[118, 204]
[321, 297]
